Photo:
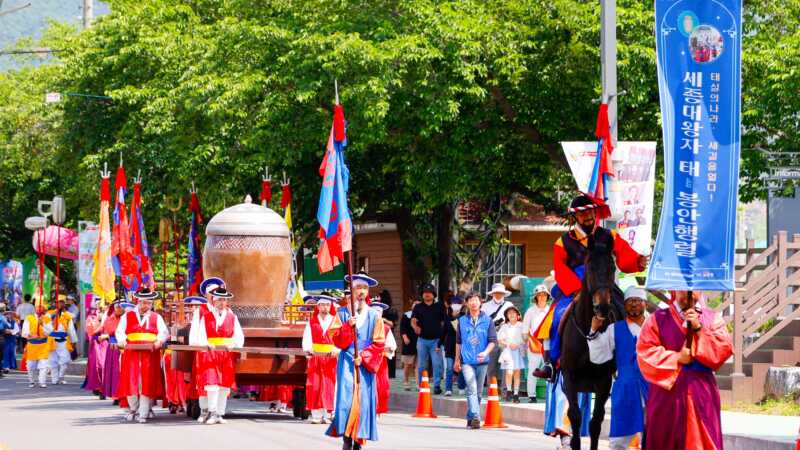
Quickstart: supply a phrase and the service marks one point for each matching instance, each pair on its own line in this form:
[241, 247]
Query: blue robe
[630, 387]
[562, 302]
[10, 352]
[371, 351]
[556, 406]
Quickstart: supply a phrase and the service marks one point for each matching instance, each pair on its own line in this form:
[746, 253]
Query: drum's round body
[248, 246]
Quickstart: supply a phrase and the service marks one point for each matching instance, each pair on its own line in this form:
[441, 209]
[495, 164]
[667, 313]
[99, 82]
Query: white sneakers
[62, 382]
[214, 419]
[448, 393]
[130, 416]
[31, 385]
[203, 416]
[142, 419]
[42, 385]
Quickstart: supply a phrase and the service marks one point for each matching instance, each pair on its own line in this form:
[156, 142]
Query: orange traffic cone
[494, 417]
[424, 404]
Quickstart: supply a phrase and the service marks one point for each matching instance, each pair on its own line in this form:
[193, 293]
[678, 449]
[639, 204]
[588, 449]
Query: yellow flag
[103, 272]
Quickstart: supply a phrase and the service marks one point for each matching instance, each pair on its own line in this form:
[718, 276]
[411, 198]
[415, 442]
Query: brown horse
[600, 296]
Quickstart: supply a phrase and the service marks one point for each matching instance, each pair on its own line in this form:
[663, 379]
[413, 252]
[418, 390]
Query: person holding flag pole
[357, 329]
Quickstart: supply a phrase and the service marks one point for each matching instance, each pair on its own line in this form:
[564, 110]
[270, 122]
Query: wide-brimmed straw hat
[499, 288]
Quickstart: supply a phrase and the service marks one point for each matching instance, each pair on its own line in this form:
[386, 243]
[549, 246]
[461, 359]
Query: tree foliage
[445, 101]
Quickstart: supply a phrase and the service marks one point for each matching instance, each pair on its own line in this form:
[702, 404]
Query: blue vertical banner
[698, 48]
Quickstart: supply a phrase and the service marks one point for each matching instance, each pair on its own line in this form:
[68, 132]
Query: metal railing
[767, 295]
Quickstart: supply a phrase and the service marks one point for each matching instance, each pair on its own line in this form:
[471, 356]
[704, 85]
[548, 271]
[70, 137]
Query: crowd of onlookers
[431, 332]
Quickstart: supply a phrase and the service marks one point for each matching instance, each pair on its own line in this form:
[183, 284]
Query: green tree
[446, 101]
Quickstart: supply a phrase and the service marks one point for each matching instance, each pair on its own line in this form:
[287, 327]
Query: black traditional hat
[585, 202]
[146, 294]
[221, 292]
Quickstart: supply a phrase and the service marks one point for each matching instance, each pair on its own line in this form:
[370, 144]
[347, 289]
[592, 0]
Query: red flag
[141, 250]
[603, 169]
[122, 255]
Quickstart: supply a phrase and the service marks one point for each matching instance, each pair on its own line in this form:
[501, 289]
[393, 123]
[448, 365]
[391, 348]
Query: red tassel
[120, 181]
[286, 196]
[105, 196]
[194, 206]
[602, 128]
[338, 123]
[266, 191]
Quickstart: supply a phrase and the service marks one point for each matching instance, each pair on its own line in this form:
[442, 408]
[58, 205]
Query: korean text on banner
[698, 46]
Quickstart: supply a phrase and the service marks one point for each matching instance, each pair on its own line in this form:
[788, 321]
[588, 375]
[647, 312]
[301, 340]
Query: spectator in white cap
[534, 316]
[629, 393]
[496, 308]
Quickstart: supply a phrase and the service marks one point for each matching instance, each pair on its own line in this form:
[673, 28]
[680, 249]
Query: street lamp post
[608, 61]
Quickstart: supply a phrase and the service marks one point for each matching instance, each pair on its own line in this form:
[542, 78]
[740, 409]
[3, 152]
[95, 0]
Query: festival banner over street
[698, 46]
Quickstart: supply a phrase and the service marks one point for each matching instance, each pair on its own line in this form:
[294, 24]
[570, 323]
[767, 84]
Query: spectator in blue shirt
[476, 337]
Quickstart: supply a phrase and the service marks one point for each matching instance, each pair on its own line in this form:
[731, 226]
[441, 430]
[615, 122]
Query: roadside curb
[534, 418]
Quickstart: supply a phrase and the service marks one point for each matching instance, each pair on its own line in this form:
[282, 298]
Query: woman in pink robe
[683, 405]
[96, 357]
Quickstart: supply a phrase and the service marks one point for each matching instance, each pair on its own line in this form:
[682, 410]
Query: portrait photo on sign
[632, 193]
[687, 22]
[705, 43]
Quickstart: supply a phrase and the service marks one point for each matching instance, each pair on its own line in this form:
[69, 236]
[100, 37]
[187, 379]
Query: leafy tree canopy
[445, 101]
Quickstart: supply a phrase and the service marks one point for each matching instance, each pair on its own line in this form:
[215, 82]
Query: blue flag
[333, 213]
[698, 47]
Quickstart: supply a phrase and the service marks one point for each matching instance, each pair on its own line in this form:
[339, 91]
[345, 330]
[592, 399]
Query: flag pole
[350, 267]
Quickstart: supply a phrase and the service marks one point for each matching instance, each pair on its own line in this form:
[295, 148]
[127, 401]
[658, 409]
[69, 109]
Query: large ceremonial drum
[248, 246]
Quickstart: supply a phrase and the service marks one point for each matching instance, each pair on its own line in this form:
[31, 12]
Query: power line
[29, 52]
[13, 10]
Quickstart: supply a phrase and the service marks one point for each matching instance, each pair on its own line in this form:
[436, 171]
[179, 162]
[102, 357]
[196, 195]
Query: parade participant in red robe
[195, 383]
[382, 375]
[141, 378]
[111, 370]
[179, 385]
[683, 404]
[216, 326]
[322, 354]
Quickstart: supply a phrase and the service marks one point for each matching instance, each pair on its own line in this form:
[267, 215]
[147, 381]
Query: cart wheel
[299, 404]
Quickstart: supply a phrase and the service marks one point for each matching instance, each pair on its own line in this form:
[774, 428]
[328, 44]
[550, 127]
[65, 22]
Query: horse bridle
[591, 336]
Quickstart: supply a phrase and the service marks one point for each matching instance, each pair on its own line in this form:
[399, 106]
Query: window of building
[509, 261]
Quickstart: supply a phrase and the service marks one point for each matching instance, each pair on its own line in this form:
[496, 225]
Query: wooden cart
[270, 356]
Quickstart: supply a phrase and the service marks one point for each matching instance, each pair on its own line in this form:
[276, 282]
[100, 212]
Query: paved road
[67, 418]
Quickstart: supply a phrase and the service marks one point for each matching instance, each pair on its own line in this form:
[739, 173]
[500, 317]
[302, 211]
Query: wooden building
[529, 252]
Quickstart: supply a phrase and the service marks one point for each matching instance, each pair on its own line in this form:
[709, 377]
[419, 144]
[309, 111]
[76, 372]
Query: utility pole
[88, 13]
[608, 61]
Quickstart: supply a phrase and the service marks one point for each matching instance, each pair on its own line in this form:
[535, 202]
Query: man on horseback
[569, 251]
[585, 241]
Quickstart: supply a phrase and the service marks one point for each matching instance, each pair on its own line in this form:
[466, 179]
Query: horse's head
[598, 280]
